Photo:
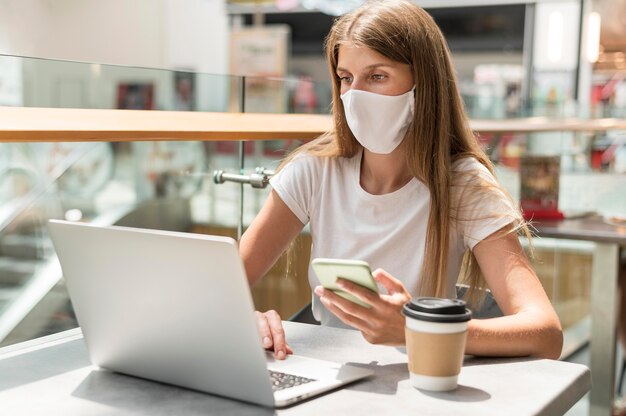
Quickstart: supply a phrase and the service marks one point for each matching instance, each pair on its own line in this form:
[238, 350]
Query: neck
[383, 174]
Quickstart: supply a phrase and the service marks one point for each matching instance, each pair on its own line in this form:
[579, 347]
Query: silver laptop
[176, 308]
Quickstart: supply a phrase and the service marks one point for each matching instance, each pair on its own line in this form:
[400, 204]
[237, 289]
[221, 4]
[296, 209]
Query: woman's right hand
[272, 333]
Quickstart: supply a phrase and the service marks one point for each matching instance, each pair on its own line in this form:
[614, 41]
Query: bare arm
[268, 237]
[260, 246]
[530, 326]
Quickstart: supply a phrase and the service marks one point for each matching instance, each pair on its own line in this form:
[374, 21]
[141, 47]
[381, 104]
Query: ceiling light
[332, 7]
[593, 37]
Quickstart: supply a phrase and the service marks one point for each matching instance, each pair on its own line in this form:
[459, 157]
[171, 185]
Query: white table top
[56, 378]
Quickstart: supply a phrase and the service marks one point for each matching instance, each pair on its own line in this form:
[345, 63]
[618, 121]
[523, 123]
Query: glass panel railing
[291, 95]
[32, 82]
[159, 185]
[146, 184]
[165, 185]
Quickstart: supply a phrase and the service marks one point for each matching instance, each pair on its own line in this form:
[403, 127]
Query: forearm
[522, 334]
[530, 326]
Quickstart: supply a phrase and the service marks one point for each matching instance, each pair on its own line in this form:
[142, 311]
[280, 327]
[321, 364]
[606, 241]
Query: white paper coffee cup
[436, 331]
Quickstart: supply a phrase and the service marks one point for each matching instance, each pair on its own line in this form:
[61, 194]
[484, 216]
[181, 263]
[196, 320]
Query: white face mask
[379, 122]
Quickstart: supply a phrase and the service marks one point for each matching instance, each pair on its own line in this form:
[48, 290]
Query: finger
[389, 282]
[346, 318]
[359, 316]
[360, 292]
[264, 330]
[319, 290]
[278, 334]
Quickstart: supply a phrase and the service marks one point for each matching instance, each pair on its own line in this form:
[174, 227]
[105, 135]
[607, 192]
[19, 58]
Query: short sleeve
[480, 205]
[296, 184]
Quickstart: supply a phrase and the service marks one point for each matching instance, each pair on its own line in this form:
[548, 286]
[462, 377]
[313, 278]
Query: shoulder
[306, 169]
[300, 163]
[469, 171]
[474, 184]
[305, 162]
[468, 164]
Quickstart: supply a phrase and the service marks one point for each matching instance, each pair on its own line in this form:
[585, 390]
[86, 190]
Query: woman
[401, 183]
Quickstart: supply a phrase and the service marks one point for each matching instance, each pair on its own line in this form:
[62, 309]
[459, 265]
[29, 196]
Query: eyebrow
[367, 67]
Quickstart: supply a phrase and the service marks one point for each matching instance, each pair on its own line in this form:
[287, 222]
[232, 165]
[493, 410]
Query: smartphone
[356, 271]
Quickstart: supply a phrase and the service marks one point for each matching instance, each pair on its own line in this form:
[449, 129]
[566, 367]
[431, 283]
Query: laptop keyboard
[281, 381]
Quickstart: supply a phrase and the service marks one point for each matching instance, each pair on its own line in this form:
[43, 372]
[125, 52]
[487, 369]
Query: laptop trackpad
[315, 368]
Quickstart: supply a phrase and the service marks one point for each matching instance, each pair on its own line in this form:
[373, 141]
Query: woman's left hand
[383, 323]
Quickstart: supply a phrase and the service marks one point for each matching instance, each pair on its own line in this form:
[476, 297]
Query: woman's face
[361, 68]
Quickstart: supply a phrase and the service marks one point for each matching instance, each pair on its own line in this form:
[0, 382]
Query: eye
[345, 80]
[378, 77]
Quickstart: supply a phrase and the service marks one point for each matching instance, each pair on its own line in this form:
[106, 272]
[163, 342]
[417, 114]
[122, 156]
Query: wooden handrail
[29, 124]
[545, 124]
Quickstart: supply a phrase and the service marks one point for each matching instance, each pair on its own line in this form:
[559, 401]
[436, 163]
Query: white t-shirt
[387, 231]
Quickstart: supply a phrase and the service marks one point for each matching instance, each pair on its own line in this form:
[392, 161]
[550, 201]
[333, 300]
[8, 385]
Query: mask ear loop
[412, 101]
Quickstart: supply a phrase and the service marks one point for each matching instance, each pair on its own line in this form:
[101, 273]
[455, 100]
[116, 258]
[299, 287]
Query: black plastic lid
[437, 310]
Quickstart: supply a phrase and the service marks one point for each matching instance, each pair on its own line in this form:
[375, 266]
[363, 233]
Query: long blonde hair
[439, 134]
